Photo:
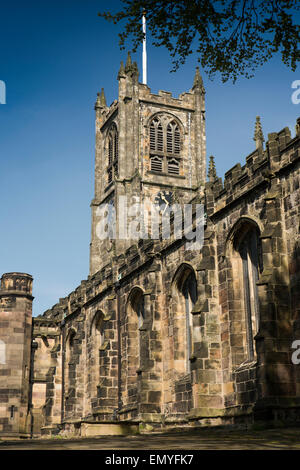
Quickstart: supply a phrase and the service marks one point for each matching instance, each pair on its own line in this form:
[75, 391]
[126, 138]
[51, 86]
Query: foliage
[231, 37]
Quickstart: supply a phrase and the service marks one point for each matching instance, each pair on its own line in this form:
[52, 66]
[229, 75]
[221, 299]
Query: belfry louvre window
[165, 140]
[173, 138]
[112, 153]
[173, 166]
[156, 164]
[156, 136]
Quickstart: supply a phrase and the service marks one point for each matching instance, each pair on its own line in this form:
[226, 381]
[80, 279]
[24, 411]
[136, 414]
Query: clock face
[163, 199]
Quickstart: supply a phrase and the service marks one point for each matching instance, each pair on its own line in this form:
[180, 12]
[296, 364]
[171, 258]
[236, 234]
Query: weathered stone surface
[159, 334]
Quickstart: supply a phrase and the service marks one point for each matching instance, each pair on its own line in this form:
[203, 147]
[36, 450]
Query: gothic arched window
[112, 153]
[95, 344]
[97, 329]
[173, 138]
[249, 253]
[70, 376]
[189, 291]
[165, 145]
[245, 255]
[156, 136]
[133, 345]
[138, 309]
[184, 299]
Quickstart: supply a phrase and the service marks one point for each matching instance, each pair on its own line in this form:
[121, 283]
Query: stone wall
[141, 373]
[15, 336]
[164, 336]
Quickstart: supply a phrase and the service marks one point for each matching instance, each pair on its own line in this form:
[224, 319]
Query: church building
[160, 336]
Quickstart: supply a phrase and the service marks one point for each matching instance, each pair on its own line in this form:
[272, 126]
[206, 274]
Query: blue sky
[54, 57]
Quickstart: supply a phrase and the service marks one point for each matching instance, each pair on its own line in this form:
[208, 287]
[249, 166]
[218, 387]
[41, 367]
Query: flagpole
[144, 51]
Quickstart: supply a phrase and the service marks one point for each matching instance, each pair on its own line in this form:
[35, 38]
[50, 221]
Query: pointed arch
[136, 309]
[165, 135]
[238, 228]
[185, 294]
[96, 328]
[244, 253]
[156, 135]
[182, 272]
[136, 303]
[173, 138]
[132, 341]
[70, 338]
[95, 346]
[70, 374]
[112, 146]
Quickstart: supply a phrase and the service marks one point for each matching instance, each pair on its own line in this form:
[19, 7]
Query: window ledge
[160, 173]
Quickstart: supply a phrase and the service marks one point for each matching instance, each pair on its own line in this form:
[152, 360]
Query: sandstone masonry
[160, 336]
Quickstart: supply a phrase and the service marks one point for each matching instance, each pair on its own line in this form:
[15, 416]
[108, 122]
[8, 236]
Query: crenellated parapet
[16, 283]
[261, 166]
[88, 289]
[185, 100]
[46, 327]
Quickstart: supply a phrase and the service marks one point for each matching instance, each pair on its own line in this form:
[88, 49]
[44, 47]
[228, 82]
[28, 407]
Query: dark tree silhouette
[231, 37]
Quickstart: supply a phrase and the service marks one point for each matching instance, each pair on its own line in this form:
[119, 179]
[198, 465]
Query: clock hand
[163, 197]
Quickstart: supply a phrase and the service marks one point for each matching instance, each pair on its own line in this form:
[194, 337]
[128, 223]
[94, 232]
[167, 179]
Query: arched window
[70, 376]
[184, 298]
[137, 308]
[165, 145]
[137, 303]
[248, 248]
[156, 136]
[173, 138]
[134, 348]
[112, 153]
[2, 352]
[245, 256]
[71, 342]
[97, 330]
[189, 290]
[95, 343]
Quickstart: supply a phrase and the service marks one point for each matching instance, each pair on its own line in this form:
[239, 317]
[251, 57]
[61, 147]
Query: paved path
[202, 439]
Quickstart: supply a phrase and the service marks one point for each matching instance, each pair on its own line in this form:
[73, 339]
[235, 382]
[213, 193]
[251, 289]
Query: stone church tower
[146, 144]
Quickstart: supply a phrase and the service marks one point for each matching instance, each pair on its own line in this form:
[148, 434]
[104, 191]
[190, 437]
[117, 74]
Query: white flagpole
[144, 52]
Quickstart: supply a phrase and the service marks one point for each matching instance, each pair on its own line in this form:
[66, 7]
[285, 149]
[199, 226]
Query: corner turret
[15, 340]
